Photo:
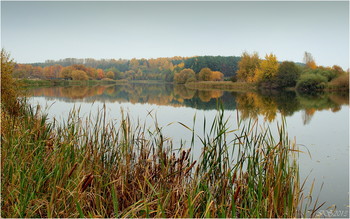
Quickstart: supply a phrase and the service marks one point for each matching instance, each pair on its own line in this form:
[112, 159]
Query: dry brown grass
[339, 83]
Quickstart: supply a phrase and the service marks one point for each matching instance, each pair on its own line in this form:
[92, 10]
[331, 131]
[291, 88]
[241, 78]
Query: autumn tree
[134, 64]
[247, 67]
[205, 74]
[184, 76]
[48, 72]
[216, 76]
[338, 70]
[8, 84]
[37, 72]
[110, 75]
[267, 70]
[66, 72]
[309, 60]
[79, 75]
[100, 74]
[22, 71]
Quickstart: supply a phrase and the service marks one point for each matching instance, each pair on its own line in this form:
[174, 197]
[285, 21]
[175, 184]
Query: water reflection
[250, 104]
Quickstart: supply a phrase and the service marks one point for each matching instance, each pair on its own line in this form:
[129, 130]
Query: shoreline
[198, 85]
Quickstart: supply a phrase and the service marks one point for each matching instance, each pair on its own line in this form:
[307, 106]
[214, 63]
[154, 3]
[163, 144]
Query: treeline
[269, 73]
[135, 69]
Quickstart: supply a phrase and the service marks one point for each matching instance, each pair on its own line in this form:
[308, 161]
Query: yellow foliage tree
[205, 74]
[8, 85]
[79, 75]
[184, 76]
[66, 72]
[110, 75]
[217, 76]
[247, 67]
[268, 68]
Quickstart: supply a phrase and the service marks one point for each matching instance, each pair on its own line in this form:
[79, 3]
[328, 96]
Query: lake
[319, 123]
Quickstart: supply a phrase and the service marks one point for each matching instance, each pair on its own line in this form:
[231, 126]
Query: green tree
[287, 74]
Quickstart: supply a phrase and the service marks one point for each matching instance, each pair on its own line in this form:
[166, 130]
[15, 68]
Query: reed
[100, 168]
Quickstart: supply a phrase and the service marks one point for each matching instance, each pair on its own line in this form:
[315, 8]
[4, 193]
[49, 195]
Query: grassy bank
[222, 85]
[79, 168]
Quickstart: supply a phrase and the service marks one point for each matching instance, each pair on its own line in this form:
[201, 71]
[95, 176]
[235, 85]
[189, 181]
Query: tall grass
[100, 168]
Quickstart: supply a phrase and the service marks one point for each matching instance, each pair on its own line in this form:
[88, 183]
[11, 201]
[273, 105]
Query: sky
[39, 31]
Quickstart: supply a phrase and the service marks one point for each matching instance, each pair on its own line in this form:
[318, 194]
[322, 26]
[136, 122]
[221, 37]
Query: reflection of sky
[326, 137]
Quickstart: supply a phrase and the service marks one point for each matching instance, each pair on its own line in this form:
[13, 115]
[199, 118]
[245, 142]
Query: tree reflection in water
[250, 104]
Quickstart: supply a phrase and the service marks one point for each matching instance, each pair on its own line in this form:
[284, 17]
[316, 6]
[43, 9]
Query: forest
[162, 69]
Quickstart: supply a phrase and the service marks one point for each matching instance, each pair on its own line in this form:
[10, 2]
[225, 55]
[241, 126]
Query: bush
[234, 78]
[328, 74]
[311, 82]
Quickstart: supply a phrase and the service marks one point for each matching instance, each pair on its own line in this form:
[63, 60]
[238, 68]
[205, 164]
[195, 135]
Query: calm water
[320, 124]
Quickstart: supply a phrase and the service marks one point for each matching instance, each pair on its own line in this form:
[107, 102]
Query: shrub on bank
[311, 82]
[327, 73]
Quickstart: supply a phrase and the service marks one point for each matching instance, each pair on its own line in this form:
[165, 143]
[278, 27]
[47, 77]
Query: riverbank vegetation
[99, 168]
[310, 78]
[162, 69]
[266, 73]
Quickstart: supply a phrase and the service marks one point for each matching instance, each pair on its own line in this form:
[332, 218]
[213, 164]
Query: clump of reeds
[96, 168]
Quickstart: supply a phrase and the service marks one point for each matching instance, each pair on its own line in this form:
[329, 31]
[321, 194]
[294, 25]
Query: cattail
[87, 181]
[72, 170]
[190, 167]
[236, 193]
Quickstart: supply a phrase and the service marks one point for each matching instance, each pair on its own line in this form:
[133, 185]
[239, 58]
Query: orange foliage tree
[309, 60]
[100, 73]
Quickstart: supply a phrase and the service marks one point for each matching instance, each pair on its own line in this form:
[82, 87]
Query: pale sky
[38, 31]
